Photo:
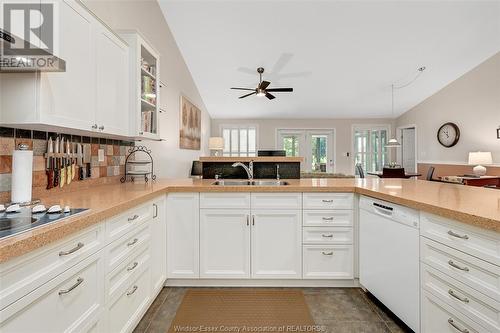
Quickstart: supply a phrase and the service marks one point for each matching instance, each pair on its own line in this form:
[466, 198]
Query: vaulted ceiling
[341, 57]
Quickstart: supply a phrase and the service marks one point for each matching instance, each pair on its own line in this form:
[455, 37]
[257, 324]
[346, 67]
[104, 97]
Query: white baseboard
[261, 283]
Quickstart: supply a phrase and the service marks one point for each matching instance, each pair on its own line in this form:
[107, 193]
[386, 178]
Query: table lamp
[478, 158]
[216, 144]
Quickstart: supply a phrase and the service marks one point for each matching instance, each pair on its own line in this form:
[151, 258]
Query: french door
[316, 146]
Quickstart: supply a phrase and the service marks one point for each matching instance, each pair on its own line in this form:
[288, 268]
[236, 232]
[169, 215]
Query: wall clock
[448, 135]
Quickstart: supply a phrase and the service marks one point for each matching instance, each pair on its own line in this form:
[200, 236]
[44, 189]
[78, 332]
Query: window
[316, 146]
[239, 140]
[369, 148]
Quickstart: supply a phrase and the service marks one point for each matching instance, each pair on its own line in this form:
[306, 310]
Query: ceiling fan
[261, 89]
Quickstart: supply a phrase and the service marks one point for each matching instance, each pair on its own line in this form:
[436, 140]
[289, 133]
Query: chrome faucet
[248, 169]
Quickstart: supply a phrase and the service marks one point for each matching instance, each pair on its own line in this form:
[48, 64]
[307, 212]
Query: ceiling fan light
[261, 93]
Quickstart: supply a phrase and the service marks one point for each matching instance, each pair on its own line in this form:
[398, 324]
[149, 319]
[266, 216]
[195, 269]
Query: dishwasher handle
[382, 209]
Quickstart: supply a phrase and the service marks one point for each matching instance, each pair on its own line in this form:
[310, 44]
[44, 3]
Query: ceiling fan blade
[264, 84]
[243, 89]
[268, 95]
[280, 89]
[253, 93]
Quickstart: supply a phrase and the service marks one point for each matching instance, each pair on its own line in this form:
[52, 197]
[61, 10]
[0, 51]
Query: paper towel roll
[22, 173]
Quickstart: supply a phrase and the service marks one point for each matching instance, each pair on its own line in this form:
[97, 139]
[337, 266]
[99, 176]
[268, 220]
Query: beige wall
[343, 133]
[473, 103]
[146, 16]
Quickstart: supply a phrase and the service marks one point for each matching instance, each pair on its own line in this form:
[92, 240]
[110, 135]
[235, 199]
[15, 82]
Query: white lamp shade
[392, 143]
[216, 143]
[480, 158]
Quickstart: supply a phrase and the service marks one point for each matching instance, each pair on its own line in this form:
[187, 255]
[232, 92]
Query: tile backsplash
[113, 165]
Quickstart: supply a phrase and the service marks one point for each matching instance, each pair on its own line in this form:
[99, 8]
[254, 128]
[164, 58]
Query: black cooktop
[14, 223]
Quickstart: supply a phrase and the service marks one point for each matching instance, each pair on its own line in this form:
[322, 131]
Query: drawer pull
[328, 218]
[134, 289]
[454, 234]
[455, 326]
[73, 250]
[327, 201]
[66, 291]
[133, 218]
[327, 253]
[132, 242]
[131, 268]
[327, 236]
[460, 298]
[155, 214]
[452, 264]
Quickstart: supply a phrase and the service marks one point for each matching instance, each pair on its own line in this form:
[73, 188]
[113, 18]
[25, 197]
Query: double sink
[224, 182]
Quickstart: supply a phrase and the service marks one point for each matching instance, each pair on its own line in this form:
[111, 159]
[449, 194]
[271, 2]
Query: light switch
[100, 155]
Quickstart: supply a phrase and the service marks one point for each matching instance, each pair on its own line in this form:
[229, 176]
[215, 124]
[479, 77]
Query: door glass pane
[234, 142]
[291, 145]
[319, 153]
[243, 142]
[226, 134]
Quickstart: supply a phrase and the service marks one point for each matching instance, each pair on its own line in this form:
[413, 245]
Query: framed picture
[190, 125]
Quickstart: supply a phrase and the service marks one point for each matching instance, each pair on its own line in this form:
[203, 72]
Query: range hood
[12, 60]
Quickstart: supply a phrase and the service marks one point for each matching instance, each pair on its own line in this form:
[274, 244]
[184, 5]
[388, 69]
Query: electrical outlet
[100, 155]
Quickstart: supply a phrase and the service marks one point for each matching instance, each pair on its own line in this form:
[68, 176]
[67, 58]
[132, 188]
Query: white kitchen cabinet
[328, 261]
[112, 114]
[183, 235]
[73, 301]
[158, 245]
[224, 243]
[90, 96]
[276, 244]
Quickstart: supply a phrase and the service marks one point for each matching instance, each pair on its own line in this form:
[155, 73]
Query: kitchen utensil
[57, 172]
[79, 160]
[69, 167]
[50, 173]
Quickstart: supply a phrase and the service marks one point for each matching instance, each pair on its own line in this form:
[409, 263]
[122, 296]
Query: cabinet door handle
[253, 219]
[73, 250]
[327, 253]
[327, 201]
[133, 218]
[460, 298]
[66, 291]
[131, 268]
[328, 218]
[155, 215]
[134, 289]
[452, 264]
[455, 326]
[327, 236]
[248, 220]
[132, 242]
[454, 234]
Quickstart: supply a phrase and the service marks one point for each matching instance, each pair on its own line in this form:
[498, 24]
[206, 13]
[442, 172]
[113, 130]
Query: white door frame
[399, 133]
[305, 131]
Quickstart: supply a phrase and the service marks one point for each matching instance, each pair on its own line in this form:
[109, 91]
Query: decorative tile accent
[95, 172]
[116, 150]
[95, 149]
[5, 163]
[5, 182]
[109, 150]
[122, 160]
[105, 162]
[6, 145]
[123, 150]
[116, 170]
[103, 171]
[39, 179]
[38, 163]
[39, 147]
[94, 161]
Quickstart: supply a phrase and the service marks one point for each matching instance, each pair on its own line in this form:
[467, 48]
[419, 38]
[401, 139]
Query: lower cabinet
[224, 243]
[328, 261]
[158, 245]
[276, 244]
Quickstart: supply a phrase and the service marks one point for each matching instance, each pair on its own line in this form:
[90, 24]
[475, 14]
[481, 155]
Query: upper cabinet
[144, 69]
[91, 95]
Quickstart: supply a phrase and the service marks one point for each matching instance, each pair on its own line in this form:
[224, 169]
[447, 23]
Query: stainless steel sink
[224, 182]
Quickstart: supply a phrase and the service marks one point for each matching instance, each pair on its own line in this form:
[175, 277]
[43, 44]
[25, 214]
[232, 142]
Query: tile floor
[343, 310]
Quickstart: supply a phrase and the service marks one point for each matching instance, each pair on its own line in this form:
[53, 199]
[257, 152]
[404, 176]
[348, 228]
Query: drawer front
[126, 245]
[123, 223]
[318, 218]
[328, 200]
[22, 275]
[470, 302]
[276, 200]
[327, 262]
[120, 276]
[126, 309]
[480, 243]
[66, 303]
[438, 317]
[327, 235]
[225, 200]
[467, 269]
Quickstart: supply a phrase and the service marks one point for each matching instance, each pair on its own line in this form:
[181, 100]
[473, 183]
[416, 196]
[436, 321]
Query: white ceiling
[340, 57]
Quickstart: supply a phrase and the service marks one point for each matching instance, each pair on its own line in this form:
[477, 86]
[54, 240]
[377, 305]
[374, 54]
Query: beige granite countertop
[472, 205]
